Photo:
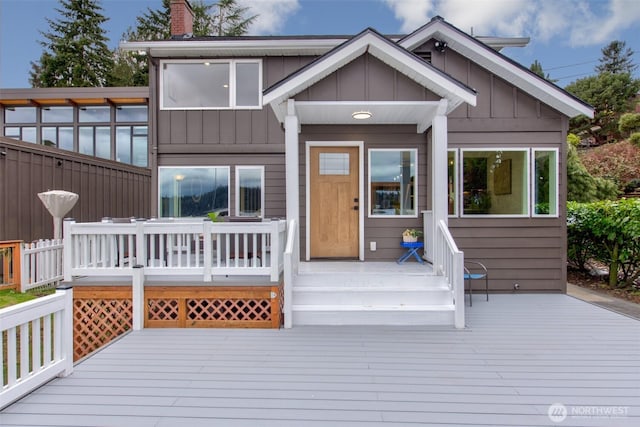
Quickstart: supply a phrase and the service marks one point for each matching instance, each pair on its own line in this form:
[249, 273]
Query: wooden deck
[519, 355]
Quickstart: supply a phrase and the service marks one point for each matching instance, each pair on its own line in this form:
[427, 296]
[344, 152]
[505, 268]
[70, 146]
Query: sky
[566, 35]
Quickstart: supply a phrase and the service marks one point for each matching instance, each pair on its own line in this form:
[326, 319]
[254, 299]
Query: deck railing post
[141, 249]
[67, 329]
[275, 250]
[137, 297]
[207, 250]
[458, 289]
[67, 251]
[24, 268]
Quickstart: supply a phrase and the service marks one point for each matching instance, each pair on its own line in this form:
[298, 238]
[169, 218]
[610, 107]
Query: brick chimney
[181, 18]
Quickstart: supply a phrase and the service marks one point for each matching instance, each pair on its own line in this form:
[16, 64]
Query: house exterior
[358, 138]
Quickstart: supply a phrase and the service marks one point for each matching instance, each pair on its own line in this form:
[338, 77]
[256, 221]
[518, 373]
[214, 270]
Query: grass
[9, 297]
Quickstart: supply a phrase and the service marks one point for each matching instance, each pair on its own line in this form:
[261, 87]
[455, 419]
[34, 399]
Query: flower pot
[409, 239]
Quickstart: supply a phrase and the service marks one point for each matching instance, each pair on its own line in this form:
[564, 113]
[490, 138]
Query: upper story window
[132, 113]
[57, 114]
[202, 84]
[96, 114]
[20, 115]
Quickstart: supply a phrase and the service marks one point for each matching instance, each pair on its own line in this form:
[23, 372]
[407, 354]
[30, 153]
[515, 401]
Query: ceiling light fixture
[361, 115]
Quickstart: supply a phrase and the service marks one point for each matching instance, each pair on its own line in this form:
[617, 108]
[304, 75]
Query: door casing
[360, 145]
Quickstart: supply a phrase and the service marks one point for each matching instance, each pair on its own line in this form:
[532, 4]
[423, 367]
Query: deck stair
[370, 294]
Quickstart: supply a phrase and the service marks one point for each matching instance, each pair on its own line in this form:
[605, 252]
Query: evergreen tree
[75, 48]
[229, 19]
[536, 67]
[132, 69]
[610, 94]
[616, 59]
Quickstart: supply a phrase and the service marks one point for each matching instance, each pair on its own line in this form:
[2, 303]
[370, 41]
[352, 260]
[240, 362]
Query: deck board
[518, 355]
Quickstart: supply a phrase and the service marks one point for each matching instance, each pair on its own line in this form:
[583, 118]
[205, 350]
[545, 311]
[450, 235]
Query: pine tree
[230, 19]
[75, 49]
[132, 69]
[616, 59]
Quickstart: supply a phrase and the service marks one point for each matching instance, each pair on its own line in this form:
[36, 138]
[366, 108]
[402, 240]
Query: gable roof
[372, 42]
[498, 64]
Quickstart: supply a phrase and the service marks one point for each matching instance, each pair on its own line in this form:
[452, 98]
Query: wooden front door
[334, 202]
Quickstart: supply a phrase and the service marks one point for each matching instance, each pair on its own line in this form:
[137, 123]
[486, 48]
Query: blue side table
[412, 249]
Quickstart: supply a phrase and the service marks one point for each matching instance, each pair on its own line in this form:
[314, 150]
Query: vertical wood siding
[106, 188]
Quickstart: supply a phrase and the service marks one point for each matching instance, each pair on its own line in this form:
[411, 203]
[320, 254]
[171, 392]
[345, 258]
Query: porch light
[361, 115]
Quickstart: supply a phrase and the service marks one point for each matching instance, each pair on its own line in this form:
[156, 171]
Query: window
[495, 182]
[211, 84]
[452, 182]
[25, 133]
[132, 113]
[20, 115]
[249, 190]
[392, 182]
[57, 115]
[193, 191]
[545, 183]
[95, 141]
[61, 137]
[94, 114]
[131, 145]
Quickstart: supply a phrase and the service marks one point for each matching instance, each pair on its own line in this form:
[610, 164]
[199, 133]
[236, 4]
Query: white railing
[185, 247]
[38, 335]
[41, 264]
[291, 263]
[452, 268]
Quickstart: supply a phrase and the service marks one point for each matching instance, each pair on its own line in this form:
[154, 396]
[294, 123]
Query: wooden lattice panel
[229, 309]
[100, 314]
[214, 307]
[161, 309]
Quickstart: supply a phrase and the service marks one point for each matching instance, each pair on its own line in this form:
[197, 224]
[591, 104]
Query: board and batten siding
[528, 251]
[105, 187]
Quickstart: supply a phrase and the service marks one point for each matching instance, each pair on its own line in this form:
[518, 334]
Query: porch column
[439, 184]
[292, 159]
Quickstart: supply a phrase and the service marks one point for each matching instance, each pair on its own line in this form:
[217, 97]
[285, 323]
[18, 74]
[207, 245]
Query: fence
[25, 266]
[41, 264]
[38, 336]
[182, 247]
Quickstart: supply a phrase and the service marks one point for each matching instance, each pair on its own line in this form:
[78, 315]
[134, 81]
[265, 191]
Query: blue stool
[412, 249]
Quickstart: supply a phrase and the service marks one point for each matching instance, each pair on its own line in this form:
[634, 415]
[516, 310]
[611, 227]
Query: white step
[373, 315]
[372, 295]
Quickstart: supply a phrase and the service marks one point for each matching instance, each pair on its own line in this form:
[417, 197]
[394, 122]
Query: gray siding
[527, 251]
[106, 188]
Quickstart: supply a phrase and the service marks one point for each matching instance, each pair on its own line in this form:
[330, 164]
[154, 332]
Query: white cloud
[573, 22]
[272, 14]
[412, 13]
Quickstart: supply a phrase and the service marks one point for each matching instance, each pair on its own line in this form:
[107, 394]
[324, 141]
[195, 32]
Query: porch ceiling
[419, 113]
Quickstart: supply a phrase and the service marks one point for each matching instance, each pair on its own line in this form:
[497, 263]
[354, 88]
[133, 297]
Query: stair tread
[370, 288]
[360, 307]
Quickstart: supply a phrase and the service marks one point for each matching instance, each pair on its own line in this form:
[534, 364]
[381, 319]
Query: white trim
[232, 83]
[526, 185]
[488, 58]
[237, 189]
[415, 190]
[160, 168]
[532, 190]
[456, 175]
[394, 56]
[360, 145]
[246, 47]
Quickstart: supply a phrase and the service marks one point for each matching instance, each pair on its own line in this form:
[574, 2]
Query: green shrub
[629, 122]
[573, 139]
[609, 232]
[635, 139]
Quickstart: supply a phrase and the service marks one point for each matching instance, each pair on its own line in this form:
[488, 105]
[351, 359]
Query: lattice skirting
[100, 314]
[219, 307]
